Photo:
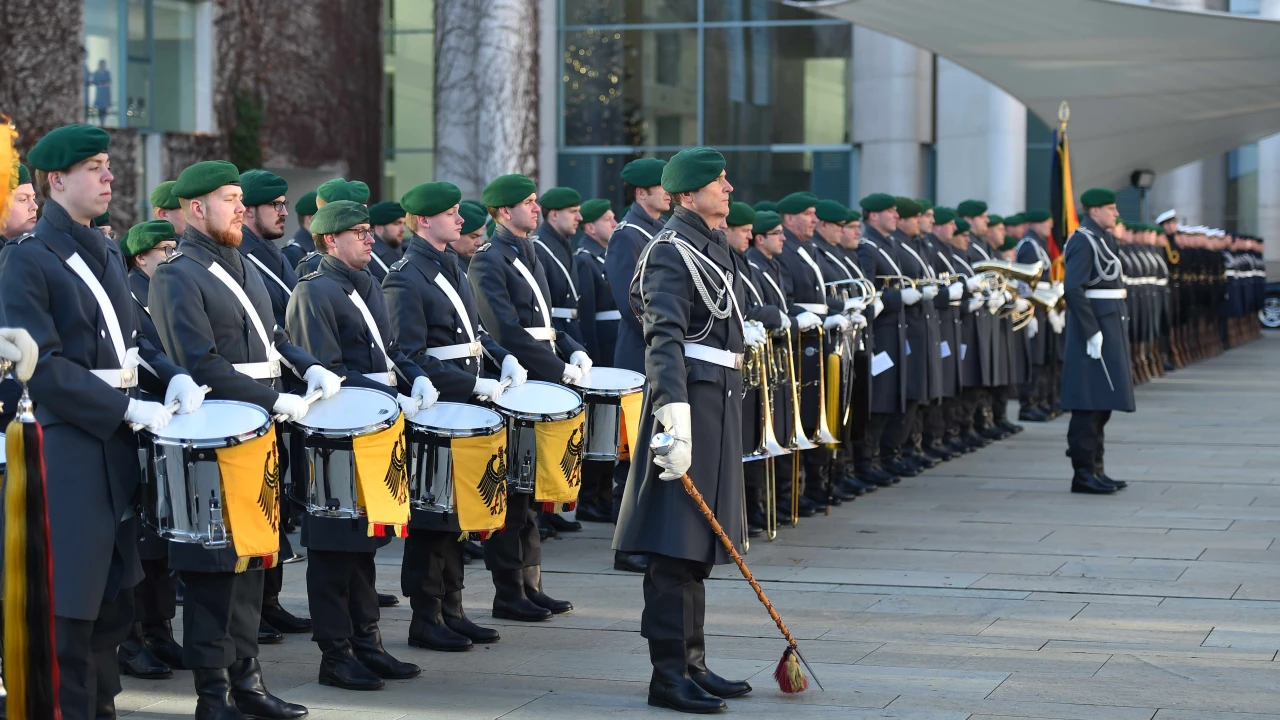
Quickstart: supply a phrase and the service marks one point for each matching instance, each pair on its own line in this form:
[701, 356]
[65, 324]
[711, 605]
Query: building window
[409, 105]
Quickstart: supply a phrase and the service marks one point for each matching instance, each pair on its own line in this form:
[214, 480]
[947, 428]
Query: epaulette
[484, 247]
[24, 236]
[398, 264]
[173, 257]
[309, 255]
[866, 240]
[310, 276]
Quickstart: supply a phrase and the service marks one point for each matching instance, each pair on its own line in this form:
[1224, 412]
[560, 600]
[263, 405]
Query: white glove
[976, 302]
[675, 421]
[409, 405]
[1021, 305]
[834, 322]
[571, 374]
[784, 322]
[1033, 327]
[753, 335]
[581, 360]
[910, 296]
[807, 321]
[877, 307]
[185, 390]
[855, 304]
[323, 380]
[974, 283]
[995, 303]
[930, 292]
[1094, 346]
[18, 347]
[424, 392]
[293, 407]
[857, 320]
[955, 290]
[512, 370]
[151, 415]
[1058, 321]
[485, 387]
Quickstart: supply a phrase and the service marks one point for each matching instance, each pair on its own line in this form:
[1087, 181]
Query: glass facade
[767, 84]
[409, 111]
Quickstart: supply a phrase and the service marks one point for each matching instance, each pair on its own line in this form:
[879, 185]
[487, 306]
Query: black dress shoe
[339, 668]
[754, 531]
[456, 619]
[473, 550]
[808, 508]
[252, 697]
[1119, 484]
[923, 460]
[533, 591]
[993, 433]
[385, 600]
[853, 486]
[977, 440]
[509, 600]
[718, 686]
[1010, 427]
[1032, 415]
[158, 638]
[900, 469]
[545, 531]
[296, 557]
[137, 661]
[838, 492]
[428, 630]
[939, 453]
[879, 477]
[559, 524]
[366, 645]
[672, 687]
[958, 446]
[268, 635]
[1086, 482]
[213, 689]
[283, 620]
[591, 513]
[630, 563]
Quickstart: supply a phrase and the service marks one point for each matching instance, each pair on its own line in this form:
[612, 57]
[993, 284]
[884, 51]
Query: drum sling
[251, 499]
[559, 471]
[480, 483]
[382, 480]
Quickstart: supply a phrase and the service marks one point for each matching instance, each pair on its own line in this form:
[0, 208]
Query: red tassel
[789, 674]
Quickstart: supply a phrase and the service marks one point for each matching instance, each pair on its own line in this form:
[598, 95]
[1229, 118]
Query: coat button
[103, 333]
[459, 330]
[468, 361]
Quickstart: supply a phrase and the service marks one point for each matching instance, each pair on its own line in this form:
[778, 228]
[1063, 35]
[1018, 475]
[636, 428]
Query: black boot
[283, 620]
[339, 668]
[591, 513]
[1084, 481]
[629, 562]
[696, 656]
[385, 600]
[427, 629]
[671, 686]
[509, 600]
[213, 688]
[137, 661]
[545, 530]
[533, 591]
[159, 640]
[456, 619]
[253, 698]
[268, 635]
[366, 644]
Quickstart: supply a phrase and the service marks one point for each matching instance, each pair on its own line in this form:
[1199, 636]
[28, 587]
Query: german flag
[1062, 203]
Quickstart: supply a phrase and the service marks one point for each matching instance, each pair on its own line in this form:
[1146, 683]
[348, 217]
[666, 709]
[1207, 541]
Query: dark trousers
[620, 470]
[782, 468]
[89, 674]
[1085, 437]
[1035, 392]
[154, 597]
[675, 599]
[517, 545]
[816, 465]
[937, 422]
[596, 489]
[999, 403]
[876, 426]
[341, 594]
[432, 566]
[220, 617]
[753, 480]
[897, 431]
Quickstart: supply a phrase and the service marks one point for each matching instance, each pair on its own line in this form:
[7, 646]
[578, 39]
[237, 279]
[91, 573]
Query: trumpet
[843, 289]
[898, 280]
[1026, 272]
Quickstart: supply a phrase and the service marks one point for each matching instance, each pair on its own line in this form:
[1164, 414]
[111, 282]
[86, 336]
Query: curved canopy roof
[1149, 87]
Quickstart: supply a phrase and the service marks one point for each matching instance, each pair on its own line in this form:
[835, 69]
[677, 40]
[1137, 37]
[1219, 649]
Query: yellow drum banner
[480, 482]
[251, 499]
[382, 480]
[631, 405]
[559, 471]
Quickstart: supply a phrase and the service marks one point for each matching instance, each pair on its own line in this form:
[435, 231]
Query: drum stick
[310, 399]
[506, 383]
[171, 407]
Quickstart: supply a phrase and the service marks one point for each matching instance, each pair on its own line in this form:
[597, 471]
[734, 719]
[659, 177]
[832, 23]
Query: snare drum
[602, 390]
[524, 407]
[327, 431]
[431, 433]
[182, 485]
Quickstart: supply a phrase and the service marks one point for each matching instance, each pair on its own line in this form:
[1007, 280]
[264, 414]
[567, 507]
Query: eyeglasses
[774, 233]
[278, 205]
[361, 235]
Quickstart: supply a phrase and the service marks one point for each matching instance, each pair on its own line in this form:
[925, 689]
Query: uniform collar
[637, 216]
[693, 228]
[505, 240]
[593, 248]
[69, 236]
[227, 256]
[139, 284]
[448, 259]
[345, 275]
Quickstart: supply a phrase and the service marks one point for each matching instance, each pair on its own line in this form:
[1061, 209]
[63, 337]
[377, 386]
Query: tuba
[1028, 273]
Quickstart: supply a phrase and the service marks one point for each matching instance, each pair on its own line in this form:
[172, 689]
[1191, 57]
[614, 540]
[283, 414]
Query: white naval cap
[1166, 216]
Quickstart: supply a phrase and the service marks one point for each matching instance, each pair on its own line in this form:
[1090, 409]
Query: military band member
[553, 242]
[972, 314]
[331, 191]
[512, 296]
[66, 286]
[938, 430]
[387, 219]
[212, 309]
[992, 347]
[923, 347]
[693, 360]
[301, 243]
[474, 217]
[21, 218]
[859, 414]
[1096, 375]
[1034, 247]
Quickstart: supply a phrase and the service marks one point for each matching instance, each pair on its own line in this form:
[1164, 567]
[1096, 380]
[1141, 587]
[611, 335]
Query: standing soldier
[301, 243]
[693, 360]
[22, 217]
[164, 206]
[387, 219]
[1034, 247]
[1096, 378]
[473, 234]
[923, 345]
[553, 241]
[331, 191]
[941, 426]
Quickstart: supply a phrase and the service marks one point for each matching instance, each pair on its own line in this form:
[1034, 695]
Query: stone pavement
[980, 590]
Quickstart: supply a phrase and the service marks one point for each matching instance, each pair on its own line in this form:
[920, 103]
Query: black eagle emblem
[492, 484]
[571, 461]
[397, 479]
[269, 495]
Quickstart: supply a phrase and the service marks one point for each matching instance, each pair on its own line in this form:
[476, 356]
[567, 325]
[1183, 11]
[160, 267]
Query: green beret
[338, 216]
[473, 215]
[559, 198]
[490, 226]
[907, 208]
[877, 202]
[1097, 197]
[962, 225]
[971, 208]
[1010, 242]
[854, 216]
[103, 219]
[643, 173]
[766, 220]
[765, 205]
[430, 198]
[385, 212]
[162, 197]
[144, 236]
[1036, 216]
[993, 220]
[306, 205]
[261, 187]
[205, 177]
[692, 169]
[943, 215]
[337, 189]
[505, 191]
[68, 145]
[1014, 219]
[359, 191]
[593, 210]
[832, 211]
[925, 205]
[740, 214]
[796, 203]
[24, 175]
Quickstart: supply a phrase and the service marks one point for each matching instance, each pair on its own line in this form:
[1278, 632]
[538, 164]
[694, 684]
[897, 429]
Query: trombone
[822, 434]
[787, 374]
[755, 375]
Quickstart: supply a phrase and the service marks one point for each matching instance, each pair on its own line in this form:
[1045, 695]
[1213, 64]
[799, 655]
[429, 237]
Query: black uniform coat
[991, 345]
[1084, 381]
[266, 252]
[808, 288]
[880, 256]
[766, 276]
[657, 516]
[205, 329]
[384, 256]
[555, 252]
[628, 241]
[971, 361]
[150, 545]
[91, 456]
[299, 245]
[308, 264]
[507, 304]
[770, 316]
[950, 313]
[1033, 248]
[595, 296]
[924, 340]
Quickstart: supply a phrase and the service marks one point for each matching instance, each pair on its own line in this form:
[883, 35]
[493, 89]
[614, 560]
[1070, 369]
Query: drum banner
[480, 483]
[559, 471]
[251, 499]
[382, 480]
[631, 405]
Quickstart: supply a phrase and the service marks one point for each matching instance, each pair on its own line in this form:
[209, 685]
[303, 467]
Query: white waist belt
[1162, 281]
[544, 334]
[268, 370]
[564, 313]
[608, 315]
[386, 377]
[815, 308]
[119, 378]
[1114, 294]
[455, 352]
[715, 356]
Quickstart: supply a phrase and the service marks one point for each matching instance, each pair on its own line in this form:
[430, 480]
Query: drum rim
[611, 392]
[338, 434]
[224, 441]
[420, 428]
[541, 417]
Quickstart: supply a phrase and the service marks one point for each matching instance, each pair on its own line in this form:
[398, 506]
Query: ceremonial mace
[788, 674]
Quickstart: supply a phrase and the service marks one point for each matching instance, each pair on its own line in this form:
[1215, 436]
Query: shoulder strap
[567, 275]
[78, 266]
[537, 291]
[373, 326]
[447, 288]
[216, 270]
[381, 264]
[624, 224]
[262, 266]
[782, 297]
[813, 265]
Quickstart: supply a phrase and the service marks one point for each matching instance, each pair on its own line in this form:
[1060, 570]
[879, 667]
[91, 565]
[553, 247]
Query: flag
[251, 499]
[559, 469]
[382, 480]
[480, 483]
[1062, 202]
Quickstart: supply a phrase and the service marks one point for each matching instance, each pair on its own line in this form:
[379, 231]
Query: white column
[549, 64]
[982, 142]
[1180, 189]
[1269, 179]
[206, 38]
[892, 112]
